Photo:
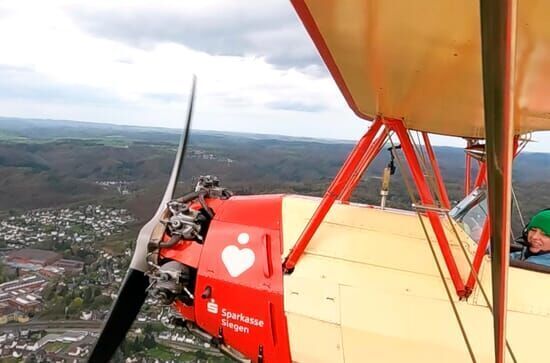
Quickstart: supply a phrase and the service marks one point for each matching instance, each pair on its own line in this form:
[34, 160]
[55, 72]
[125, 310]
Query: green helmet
[541, 220]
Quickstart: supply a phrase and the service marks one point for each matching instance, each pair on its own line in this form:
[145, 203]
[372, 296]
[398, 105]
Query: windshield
[471, 213]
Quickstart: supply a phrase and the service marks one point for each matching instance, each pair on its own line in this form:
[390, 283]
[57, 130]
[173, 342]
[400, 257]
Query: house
[32, 347]
[84, 352]
[21, 346]
[73, 336]
[86, 315]
[164, 335]
[75, 352]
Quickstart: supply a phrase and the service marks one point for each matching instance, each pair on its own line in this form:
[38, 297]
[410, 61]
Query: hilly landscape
[50, 163]
[83, 190]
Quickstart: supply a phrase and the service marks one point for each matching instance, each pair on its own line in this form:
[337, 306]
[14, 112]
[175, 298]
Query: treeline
[62, 302]
[62, 172]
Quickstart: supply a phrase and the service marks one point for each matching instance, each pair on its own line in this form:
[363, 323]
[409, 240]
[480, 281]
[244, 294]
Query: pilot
[537, 236]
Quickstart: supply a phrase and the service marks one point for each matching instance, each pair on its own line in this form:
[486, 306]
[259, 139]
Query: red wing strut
[498, 19]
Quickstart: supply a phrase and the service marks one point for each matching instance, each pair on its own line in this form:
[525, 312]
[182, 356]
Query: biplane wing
[420, 61]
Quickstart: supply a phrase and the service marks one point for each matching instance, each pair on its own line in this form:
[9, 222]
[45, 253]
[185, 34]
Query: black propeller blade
[133, 292]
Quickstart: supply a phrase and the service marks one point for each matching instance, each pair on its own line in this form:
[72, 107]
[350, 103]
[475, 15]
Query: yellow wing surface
[420, 60]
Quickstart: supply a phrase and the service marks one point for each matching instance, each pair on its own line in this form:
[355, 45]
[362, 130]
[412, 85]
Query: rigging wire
[429, 177]
[478, 280]
[466, 255]
[516, 203]
[417, 145]
[524, 141]
[527, 138]
[437, 263]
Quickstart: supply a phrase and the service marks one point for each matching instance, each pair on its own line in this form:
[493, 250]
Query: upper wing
[421, 60]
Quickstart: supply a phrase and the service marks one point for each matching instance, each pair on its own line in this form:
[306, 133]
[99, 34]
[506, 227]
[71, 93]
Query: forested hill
[46, 163]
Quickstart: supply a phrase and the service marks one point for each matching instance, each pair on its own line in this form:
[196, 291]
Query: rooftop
[34, 254]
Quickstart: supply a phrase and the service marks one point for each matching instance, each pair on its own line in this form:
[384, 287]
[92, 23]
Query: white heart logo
[237, 261]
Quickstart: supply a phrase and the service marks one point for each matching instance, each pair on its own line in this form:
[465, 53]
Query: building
[30, 257]
[45, 340]
[26, 284]
[73, 336]
[70, 266]
[21, 295]
[7, 314]
[87, 315]
[26, 303]
[75, 352]
[67, 337]
[51, 272]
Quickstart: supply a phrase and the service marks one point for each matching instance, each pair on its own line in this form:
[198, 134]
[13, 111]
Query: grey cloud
[268, 30]
[285, 47]
[167, 97]
[296, 106]
[25, 83]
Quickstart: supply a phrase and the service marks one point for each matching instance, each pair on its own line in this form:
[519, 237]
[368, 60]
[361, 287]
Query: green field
[54, 347]
[9, 137]
[110, 141]
[162, 353]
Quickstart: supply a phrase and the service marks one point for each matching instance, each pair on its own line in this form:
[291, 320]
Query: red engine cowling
[238, 294]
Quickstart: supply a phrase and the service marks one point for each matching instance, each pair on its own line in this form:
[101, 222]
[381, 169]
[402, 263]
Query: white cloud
[58, 53]
[131, 62]
[268, 29]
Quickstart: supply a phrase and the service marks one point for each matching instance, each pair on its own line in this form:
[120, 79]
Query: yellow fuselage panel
[368, 285]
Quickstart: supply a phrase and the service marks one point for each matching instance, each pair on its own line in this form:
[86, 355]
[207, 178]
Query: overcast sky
[130, 62]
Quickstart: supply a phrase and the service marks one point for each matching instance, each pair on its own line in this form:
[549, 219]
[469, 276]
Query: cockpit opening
[471, 213]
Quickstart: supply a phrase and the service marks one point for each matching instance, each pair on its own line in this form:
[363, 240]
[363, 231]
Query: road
[54, 324]
[61, 326]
